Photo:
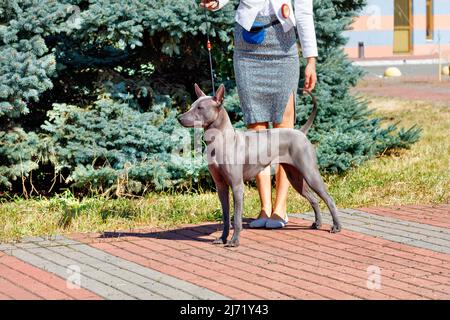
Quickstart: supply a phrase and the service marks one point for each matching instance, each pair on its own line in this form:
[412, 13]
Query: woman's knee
[289, 114]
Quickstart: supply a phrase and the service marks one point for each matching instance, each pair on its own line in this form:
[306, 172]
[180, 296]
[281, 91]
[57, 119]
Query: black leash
[208, 46]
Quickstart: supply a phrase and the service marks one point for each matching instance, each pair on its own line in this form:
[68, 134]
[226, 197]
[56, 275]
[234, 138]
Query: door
[402, 26]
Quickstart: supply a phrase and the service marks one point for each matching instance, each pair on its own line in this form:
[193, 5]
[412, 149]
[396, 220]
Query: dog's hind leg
[297, 181]
[315, 181]
[306, 162]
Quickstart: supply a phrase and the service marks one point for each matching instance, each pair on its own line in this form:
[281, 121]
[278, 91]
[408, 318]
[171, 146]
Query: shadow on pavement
[201, 233]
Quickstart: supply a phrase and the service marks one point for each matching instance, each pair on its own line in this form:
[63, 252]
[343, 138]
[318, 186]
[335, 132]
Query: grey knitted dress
[267, 73]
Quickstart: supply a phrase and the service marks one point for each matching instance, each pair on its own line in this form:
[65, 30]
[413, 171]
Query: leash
[208, 46]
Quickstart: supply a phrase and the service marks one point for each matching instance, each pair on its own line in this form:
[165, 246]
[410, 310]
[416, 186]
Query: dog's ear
[220, 94]
[199, 91]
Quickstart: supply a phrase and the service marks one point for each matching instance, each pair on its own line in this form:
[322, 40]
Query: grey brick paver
[87, 272]
[88, 283]
[392, 229]
[154, 288]
[104, 274]
[409, 226]
[149, 273]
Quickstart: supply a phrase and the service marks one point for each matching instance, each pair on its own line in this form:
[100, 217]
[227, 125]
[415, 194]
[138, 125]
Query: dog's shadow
[201, 233]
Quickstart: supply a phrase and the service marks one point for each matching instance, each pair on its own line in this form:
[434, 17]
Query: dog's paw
[316, 225]
[335, 229]
[219, 241]
[232, 244]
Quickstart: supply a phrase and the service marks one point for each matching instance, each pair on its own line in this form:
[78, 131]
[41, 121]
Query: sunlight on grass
[420, 175]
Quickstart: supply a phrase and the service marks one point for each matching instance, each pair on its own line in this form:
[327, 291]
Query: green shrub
[18, 156]
[111, 147]
[60, 56]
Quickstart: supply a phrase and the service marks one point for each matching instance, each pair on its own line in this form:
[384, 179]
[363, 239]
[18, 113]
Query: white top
[302, 18]
[267, 10]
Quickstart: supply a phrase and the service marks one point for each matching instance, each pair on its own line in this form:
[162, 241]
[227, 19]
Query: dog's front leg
[224, 192]
[238, 199]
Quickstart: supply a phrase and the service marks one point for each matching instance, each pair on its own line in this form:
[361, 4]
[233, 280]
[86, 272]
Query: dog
[236, 156]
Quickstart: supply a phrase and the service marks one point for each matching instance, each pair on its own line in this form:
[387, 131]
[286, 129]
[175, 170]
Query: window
[402, 13]
[430, 18]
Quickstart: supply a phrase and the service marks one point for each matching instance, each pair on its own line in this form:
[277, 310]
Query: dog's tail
[313, 115]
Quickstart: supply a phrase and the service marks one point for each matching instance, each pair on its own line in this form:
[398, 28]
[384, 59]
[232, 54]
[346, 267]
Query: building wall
[375, 27]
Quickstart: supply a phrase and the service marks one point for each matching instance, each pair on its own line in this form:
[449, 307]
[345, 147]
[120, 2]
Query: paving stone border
[104, 274]
[389, 228]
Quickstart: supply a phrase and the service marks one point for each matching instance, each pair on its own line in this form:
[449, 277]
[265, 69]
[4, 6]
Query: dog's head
[204, 111]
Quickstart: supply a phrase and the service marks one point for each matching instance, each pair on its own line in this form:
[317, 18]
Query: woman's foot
[276, 221]
[260, 222]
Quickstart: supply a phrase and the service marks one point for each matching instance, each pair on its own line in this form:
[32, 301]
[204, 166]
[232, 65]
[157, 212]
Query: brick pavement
[435, 215]
[409, 246]
[431, 234]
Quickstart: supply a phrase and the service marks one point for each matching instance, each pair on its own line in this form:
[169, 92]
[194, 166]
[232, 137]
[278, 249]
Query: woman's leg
[263, 180]
[282, 182]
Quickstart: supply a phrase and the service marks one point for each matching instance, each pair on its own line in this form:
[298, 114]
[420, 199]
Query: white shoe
[258, 223]
[276, 224]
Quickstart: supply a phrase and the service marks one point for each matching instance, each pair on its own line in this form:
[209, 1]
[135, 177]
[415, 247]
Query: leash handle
[208, 46]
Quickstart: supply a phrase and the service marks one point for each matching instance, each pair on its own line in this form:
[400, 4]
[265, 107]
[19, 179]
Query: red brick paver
[294, 263]
[435, 215]
[19, 280]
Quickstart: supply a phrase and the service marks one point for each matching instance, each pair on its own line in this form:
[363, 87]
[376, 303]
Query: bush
[18, 156]
[27, 65]
[111, 147]
[82, 80]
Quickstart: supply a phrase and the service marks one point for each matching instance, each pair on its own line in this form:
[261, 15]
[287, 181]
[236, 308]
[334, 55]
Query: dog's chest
[226, 151]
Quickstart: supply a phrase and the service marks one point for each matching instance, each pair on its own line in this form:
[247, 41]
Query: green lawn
[417, 176]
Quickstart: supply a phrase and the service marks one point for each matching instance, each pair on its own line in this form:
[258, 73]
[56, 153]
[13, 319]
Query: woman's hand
[209, 4]
[310, 74]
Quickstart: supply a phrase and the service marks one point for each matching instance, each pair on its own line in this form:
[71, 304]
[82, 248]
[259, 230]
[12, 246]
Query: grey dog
[237, 156]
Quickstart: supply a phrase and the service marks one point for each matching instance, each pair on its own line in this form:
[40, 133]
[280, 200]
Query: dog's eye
[200, 108]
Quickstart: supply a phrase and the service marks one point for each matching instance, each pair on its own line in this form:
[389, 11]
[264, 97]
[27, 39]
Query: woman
[267, 75]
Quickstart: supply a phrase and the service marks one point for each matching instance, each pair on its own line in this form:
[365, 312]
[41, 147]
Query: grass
[420, 175]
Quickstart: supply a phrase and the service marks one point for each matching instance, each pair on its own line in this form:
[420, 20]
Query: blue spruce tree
[344, 131]
[26, 68]
[89, 90]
